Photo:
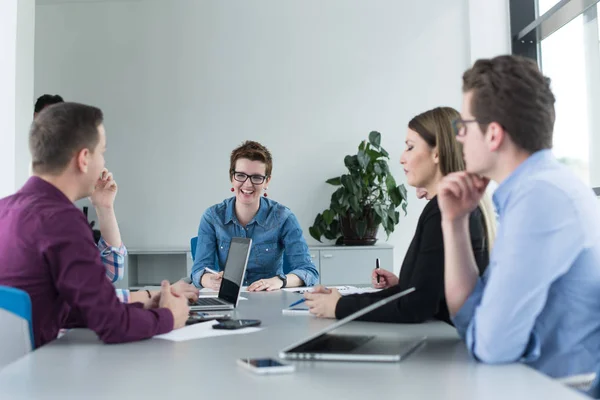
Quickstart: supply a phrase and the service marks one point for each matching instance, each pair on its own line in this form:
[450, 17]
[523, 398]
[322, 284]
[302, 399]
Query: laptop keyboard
[209, 301]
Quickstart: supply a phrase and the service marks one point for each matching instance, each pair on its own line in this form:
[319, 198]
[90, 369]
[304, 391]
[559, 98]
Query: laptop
[233, 276]
[325, 345]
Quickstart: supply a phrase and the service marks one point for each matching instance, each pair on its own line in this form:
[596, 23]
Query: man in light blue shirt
[539, 300]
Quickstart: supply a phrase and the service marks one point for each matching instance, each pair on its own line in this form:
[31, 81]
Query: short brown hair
[435, 127]
[252, 151]
[511, 91]
[59, 132]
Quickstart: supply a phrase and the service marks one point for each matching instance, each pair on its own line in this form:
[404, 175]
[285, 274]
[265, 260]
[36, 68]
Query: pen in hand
[297, 302]
[377, 267]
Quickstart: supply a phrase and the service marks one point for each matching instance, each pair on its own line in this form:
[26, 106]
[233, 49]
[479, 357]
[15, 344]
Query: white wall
[8, 43]
[16, 90]
[184, 82]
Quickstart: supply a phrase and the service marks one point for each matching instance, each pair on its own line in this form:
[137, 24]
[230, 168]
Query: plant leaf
[315, 233]
[351, 162]
[402, 189]
[377, 169]
[334, 181]
[375, 138]
[395, 196]
[354, 205]
[328, 216]
[363, 159]
[390, 182]
[361, 228]
[404, 208]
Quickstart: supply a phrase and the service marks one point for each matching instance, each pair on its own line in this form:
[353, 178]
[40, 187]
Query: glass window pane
[563, 60]
[545, 5]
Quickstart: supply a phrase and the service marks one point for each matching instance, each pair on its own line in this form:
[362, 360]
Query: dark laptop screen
[235, 267]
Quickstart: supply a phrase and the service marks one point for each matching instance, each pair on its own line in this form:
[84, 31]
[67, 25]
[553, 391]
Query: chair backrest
[194, 244]
[16, 329]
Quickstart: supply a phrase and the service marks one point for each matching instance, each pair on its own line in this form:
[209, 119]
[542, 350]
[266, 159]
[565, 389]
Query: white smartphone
[265, 366]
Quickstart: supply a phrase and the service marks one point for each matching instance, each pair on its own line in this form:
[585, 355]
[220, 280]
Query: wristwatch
[283, 277]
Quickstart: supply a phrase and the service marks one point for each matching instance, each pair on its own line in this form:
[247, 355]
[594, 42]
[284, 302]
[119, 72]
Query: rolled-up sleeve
[205, 249]
[297, 253]
[537, 245]
[113, 259]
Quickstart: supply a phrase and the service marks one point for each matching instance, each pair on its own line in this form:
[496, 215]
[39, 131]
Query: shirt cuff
[197, 278]
[104, 246]
[464, 316]
[123, 295]
[307, 278]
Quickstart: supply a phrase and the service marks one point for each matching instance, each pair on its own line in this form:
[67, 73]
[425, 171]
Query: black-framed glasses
[255, 179]
[460, 126]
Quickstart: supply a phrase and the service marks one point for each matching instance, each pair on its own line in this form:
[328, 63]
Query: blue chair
[194, 244]
[16, 328]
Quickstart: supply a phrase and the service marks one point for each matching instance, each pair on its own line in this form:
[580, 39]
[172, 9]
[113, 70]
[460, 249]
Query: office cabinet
[351, 265]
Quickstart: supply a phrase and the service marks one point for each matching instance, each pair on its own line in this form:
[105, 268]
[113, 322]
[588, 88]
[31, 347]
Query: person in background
[47, 247]
[431, 153]
[112, 250]
[45, 101]
[274, 229]
[537, 302]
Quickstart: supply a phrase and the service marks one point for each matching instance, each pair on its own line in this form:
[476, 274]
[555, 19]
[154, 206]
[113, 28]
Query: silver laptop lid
[235, 268]
[352, 317]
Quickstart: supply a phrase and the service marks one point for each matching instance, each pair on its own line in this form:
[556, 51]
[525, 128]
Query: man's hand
[211, 281]
[322, 301]
[105, 191]
[266, 284]
[386, 279]
[185, 289]
[178, 305]
[459, 194]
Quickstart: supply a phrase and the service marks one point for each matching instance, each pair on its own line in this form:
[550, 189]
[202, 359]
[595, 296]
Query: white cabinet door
[352, 265]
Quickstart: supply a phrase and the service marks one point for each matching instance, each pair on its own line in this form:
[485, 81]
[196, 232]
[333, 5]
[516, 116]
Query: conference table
[79, 366]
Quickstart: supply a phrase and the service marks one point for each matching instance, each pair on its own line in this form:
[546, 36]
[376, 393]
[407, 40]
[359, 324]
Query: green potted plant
[367, 196]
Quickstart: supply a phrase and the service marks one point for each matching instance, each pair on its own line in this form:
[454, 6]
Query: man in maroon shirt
[47, 247]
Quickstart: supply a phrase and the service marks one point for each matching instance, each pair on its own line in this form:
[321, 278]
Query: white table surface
[79, 366]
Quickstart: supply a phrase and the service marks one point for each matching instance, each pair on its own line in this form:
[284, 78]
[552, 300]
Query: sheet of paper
[202, 330]
[344, 290]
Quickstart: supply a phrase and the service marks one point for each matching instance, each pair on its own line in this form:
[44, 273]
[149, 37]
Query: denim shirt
[538, 300]
[274, 230]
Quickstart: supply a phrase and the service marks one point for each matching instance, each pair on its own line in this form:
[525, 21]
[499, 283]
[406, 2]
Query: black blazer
[423, 268]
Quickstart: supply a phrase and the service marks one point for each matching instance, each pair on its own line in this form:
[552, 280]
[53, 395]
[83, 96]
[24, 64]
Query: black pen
[377, 267]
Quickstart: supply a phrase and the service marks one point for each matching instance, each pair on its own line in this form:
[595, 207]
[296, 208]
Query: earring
[265, 192]
[232, 189]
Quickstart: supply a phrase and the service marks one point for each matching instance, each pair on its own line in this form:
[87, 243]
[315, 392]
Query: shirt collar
[260, 218]
[504, 189]
[35, 184]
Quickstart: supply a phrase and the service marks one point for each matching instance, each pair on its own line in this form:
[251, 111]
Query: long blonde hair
[435, 127]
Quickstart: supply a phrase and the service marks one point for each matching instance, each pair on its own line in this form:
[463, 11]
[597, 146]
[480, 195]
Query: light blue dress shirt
[539, 300]
[274, 229]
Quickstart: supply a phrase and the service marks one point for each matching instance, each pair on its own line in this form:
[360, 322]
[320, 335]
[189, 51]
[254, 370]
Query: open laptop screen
[233, 274]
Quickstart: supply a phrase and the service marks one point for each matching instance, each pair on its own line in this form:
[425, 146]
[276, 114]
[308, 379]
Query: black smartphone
[237, 324]
[195, 318]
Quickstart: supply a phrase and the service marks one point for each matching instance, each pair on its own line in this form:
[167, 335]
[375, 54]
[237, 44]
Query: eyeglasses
[460, 126]
[255, 179]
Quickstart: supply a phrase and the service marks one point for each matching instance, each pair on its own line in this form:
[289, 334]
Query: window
[563, 60]
[545, 5]
[565, 43]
